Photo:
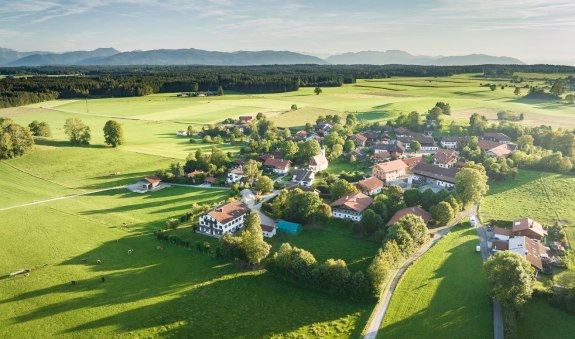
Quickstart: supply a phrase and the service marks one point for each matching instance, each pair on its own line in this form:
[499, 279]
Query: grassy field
[538, 311]
[167, 292]
[444, 294]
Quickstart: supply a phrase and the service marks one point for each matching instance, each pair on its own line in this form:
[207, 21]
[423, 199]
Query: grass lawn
[337, 166]
[538, 311]
[444, 294]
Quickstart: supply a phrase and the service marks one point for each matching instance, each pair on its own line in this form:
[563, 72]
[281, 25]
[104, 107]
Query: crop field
[443, 294]
[169, 291]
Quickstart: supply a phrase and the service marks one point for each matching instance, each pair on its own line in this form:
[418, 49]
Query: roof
[303, 175]
[359, 136]
[267, 228]
[453, 139]
[445, 156]
[422, 139]
[503, 231]
[246, 118]
[228, 212]
[528, 224]
[487, 145]
[237, 171]
[435, 172]
[529, 249]
[194, 173]
[153, 180]
[403, 131]
[410, 162]
[500, 245]
[417, 211]
[210, 179]
[395, 147]
[358, 202]
[381, 155]
[277, 163]
[370, 184]
[318, 160]
[391, 166]
[496, 135]
[501, 151]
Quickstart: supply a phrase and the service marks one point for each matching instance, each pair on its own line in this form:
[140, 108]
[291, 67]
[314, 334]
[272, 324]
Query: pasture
[443, 294]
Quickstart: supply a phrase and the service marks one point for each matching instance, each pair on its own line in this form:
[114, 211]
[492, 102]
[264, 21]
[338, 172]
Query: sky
[531, 30]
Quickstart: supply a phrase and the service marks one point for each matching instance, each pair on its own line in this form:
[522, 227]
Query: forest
[26, 85]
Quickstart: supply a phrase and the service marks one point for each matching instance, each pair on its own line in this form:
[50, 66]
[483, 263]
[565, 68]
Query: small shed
[288, 227]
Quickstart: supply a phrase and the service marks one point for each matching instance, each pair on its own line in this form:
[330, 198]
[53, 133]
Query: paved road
[383, 304]
[61, 198]
[498, 332]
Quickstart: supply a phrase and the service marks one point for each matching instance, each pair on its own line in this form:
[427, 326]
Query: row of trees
[80, 133]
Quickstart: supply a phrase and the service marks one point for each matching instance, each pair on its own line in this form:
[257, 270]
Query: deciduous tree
[113, 133]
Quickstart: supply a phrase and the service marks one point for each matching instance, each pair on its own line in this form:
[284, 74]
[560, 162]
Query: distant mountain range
[192, 56]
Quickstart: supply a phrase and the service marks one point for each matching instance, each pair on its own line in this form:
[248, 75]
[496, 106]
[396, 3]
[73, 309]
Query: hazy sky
[532, 30]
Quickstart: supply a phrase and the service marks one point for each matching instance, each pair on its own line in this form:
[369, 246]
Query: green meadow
[159, 289]
[443, 294]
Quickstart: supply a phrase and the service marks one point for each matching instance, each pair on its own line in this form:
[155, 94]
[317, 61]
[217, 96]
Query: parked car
[472, 220]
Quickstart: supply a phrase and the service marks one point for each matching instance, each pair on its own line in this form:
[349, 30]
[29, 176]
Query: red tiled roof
[194, 173]
[445, 156]
[360, 137]
[503, 231]
[391, 166]
[267, 228]
[357, 202]
[153, 180]
[436, 172]
[487, 145]
[210, 179]
[317, 160]
[417, 211]
[227, 212]
[412, 161]
[500, 245]
[528, 224]
[370, 184]
[277, 163]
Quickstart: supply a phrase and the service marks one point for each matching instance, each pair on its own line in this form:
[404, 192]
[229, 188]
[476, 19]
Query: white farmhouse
[226, 218]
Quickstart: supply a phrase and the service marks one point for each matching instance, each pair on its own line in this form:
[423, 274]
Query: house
[300, 135]
[427, 143]
[389, 171]
[445, 158]
[226, 218]
[370, 186]
[371, 137]
[495, 149]
[498, 137]
[235, 175]
[351, 206]
[502, 234]
[210, 180]
[246, 120]
[417, 211]
[359, 139]
[268, 231]
[531, 250]
[288, 227]
[359, 153]
[280, 166]
[452, 142]
[303, 177]
[195, 173]
[444, 177]
[529, 228]
[376, 158]
[499, 245]
[182, 133]
[318, 162]
[403, 132]
[395, 149]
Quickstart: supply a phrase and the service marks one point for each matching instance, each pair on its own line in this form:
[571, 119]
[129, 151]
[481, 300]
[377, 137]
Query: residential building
[359, 139]
[502, 234]
[452, 142]
[411, 162]
[235, 175]
[389, 171]
[303, 177]
[145, 185]
[428, 145]
[246, 119]
[395, 149]
[226, 218]
[280, 166]
[370, 186]
[496, 136]
[417, 211]
[496, 149]
[318, 162]
[531, 250]
[268, 231]
[403, 132]
[444, 177]
[529, 228]
[351, 206]
[445, 158]
[383, 156]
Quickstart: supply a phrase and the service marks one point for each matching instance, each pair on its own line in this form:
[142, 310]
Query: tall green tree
[442, 213]
[342, 188]
[415, 146]
[264, 184]
[15, 140]
[317, 91]
[40, 129]
[471, 183]
[220, 91]
[113, 133]
[510, 278]
[252, 171]
[253, 245]
[77, 131]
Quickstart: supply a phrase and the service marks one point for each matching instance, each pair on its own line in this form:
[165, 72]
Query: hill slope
[404, 58]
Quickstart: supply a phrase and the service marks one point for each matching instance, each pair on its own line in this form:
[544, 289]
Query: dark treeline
[25, 85]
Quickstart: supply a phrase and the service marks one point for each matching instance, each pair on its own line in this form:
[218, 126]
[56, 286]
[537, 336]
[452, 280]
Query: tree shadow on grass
[177, 292]
[460, 306]
[63, 143]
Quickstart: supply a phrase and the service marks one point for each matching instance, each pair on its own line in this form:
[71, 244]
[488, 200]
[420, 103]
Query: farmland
[443, 294]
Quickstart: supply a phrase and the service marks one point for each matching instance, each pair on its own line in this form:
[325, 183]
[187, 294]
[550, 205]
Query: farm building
[147, 184]
[445, 158]
[529, 228]
[280, 166]
[370, 186]
[288, 227]
[444, 177]
[389, 171]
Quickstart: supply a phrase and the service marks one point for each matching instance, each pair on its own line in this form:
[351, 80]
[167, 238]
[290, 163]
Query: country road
[61, 198]
[385, 299]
